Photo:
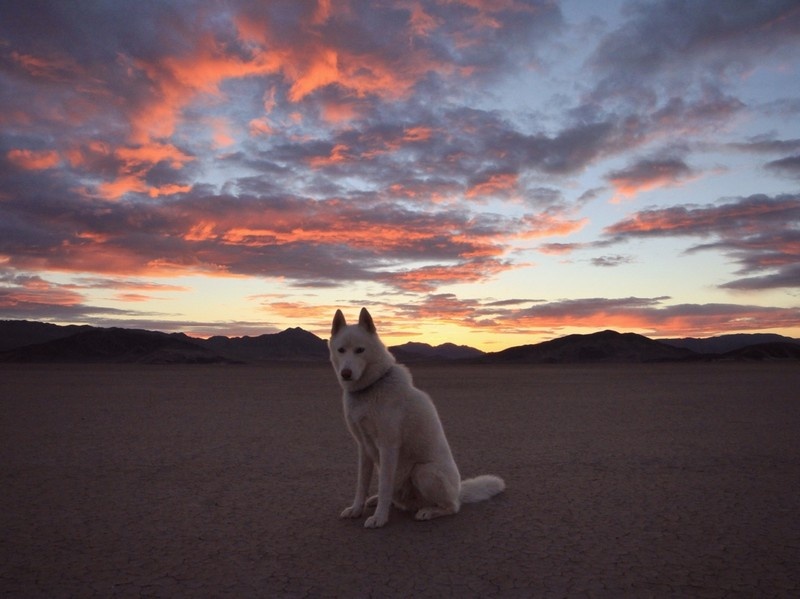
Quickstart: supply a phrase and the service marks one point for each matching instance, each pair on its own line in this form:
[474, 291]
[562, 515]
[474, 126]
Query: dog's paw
[375, 521]
[427, 513]
[354, 511]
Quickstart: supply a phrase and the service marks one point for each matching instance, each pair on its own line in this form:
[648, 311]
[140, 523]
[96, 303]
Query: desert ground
[227, 481]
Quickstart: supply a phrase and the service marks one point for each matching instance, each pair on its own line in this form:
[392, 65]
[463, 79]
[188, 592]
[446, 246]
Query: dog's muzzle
[346, 374]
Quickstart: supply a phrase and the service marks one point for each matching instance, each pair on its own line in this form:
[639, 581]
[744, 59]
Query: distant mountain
[763, 352]
[18, 333]
[727, 343]
[605, 346]
[291, 344]
[24, 341]
[116, 346]
[416, 352]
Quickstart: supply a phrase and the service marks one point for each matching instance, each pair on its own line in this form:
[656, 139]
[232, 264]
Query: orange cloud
[547, 225]
[180, 79]
[136, 162]
[322, 70]
[647, 175]
[33, 160]
[338, 154]
[222, 134]
[132, 297]
[36, 291]
[418, 133]
[152, 153]
[339, 111]
[53, 68]
[647, 315]
[498, 183]
[322, 12]
[313, 65]
[428, 278]
[168, 190]
[111, 190]
[422, 24]
[260, 126]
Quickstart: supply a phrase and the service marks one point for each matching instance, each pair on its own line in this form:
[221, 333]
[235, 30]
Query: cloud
[767, 144]
[302, 239]
[759, 232]
[26, 296]
[657, 316]
[612, 260]
[651, 315]
[645, 175]
[687, 44]
[789, 166]
[34, 160]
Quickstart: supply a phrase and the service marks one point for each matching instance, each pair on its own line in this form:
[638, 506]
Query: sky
[484, 172]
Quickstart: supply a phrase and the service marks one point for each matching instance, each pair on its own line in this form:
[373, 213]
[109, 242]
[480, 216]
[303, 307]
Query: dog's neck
[373, 383]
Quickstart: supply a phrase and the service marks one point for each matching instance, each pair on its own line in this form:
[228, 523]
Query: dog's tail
[480, 488]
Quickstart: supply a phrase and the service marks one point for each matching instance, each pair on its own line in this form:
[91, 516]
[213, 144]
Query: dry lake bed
[227, 481]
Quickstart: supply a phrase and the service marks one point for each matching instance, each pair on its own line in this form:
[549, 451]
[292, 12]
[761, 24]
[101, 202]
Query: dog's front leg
[388, 467]
[365, 467]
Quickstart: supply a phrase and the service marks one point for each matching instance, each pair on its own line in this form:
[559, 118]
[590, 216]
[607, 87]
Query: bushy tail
[480, 488]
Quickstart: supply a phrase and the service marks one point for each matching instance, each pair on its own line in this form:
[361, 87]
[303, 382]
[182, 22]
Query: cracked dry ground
[226, 481]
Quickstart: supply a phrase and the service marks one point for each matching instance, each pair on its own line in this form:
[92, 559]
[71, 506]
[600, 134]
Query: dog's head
[357, 353]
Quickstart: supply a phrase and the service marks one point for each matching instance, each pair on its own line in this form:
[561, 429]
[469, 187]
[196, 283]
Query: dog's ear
[338, 322]
[365, 321]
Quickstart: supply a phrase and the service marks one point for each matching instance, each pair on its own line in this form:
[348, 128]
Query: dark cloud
[768, 145]
[611, 260]
[789, 166]
[682, 43]
[788, 276]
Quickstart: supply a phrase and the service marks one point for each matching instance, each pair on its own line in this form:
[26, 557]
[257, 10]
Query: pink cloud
[34, 160]
[646, 175]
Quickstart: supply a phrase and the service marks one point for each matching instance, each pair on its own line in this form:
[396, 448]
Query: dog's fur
[397, 429]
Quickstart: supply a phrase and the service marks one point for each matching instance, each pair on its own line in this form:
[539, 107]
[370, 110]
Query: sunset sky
[485, 172]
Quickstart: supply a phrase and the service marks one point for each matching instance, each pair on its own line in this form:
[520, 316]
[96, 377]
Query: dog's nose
[347, 374]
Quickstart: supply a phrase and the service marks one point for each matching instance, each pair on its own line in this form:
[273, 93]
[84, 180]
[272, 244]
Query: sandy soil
[226, 481]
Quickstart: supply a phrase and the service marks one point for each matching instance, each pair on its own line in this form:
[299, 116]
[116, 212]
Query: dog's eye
[341, 350]
[359, 350]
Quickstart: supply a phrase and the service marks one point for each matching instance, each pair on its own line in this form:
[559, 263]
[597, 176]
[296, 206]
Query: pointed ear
[338, 322]
[365, 321]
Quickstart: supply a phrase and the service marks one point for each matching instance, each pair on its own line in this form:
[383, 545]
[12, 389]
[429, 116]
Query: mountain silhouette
[115, 345]
[727, 343]
[415, 352]
[764, 352]
[25, 341]
[18, 333]
[605, 346]
[291, 344]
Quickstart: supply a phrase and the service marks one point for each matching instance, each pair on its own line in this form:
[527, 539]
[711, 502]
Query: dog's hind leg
[437, 490]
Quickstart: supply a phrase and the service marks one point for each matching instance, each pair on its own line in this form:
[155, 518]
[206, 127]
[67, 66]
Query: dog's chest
[365, 416]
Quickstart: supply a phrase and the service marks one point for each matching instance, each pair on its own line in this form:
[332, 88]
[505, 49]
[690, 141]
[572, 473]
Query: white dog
[398, 430]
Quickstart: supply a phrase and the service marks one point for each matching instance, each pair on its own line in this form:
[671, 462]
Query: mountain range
[25, 341]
